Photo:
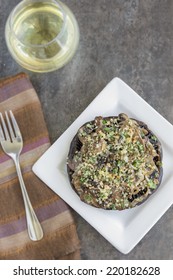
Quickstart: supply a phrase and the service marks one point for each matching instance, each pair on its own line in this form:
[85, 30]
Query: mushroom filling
[118, 163]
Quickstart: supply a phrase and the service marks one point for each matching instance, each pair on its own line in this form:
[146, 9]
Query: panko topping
[116, 164]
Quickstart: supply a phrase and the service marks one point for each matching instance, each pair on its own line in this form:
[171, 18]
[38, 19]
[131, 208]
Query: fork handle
[34, 227]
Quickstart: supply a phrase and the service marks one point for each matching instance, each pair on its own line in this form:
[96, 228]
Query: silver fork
[12, 144]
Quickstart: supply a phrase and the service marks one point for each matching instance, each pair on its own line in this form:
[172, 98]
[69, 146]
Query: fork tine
[15, 125]
[9, 126]
[1, 134]
[4, 127]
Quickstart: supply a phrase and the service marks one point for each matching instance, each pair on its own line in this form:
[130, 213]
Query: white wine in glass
[42, 36]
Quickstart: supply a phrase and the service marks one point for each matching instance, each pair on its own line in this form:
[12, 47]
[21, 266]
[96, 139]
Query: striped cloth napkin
[60, 237]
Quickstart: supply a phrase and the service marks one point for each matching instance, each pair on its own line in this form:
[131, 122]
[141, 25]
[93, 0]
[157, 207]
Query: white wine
[42, 36]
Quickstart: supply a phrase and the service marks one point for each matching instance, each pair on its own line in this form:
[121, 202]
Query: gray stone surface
[132, 40]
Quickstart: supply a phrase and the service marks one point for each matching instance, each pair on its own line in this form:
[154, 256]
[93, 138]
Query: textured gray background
[129, 39]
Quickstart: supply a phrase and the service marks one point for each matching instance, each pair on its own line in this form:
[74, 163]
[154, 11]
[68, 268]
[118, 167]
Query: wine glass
[42, 35]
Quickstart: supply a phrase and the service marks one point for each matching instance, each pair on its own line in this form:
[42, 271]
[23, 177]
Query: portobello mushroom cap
[115, 162]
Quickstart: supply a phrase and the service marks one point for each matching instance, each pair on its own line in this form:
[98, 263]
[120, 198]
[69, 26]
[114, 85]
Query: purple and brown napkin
[60, 239]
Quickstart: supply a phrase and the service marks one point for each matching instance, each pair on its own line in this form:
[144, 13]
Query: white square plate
[123, 229]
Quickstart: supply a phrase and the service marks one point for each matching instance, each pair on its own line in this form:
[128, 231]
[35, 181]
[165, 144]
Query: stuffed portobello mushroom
[115, 162]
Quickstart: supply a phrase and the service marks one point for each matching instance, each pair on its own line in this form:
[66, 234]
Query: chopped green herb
[104, 121]
[153, 137]
[152, 185]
